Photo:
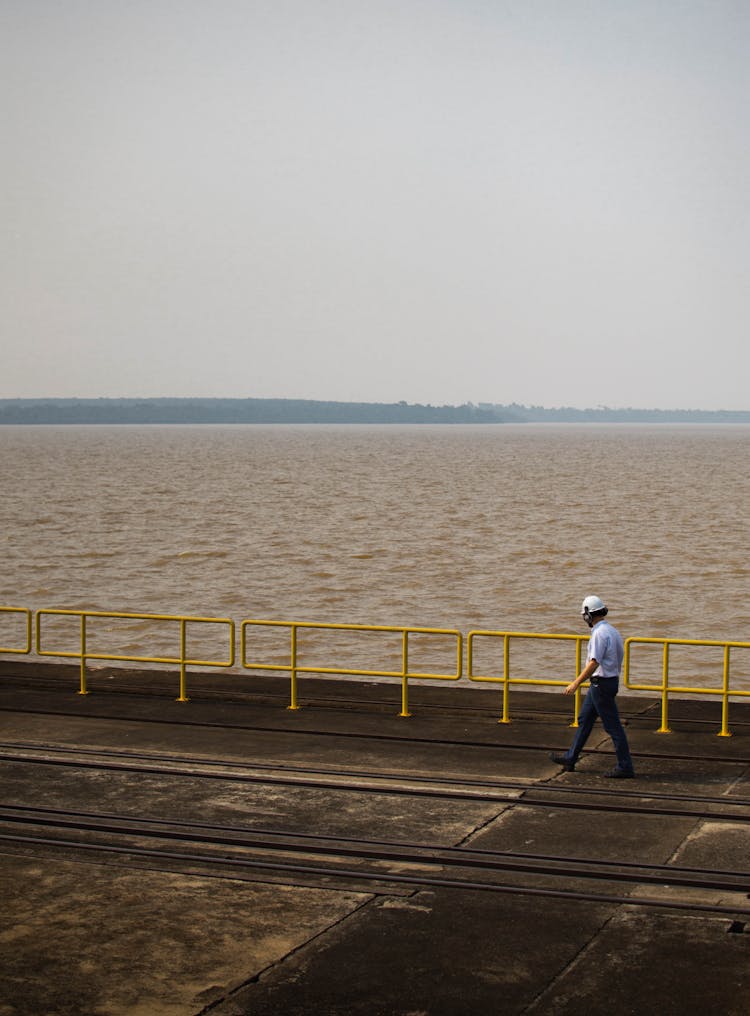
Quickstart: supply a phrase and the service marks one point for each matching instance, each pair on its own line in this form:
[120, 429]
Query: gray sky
[431, 200]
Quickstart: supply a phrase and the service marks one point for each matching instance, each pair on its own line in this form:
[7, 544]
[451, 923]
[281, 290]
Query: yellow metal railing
[507, 681]
[294, 657]
[26, 614]
[665, 688]
[296, 664]
[84, 653]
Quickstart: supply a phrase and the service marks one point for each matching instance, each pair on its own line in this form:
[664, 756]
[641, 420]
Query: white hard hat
[592, 605]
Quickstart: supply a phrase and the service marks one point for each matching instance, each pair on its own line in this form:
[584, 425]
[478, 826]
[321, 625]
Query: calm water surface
[500, 527]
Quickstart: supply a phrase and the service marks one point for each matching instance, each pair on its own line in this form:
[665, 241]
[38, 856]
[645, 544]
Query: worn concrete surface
[100, 939]
[84, 936]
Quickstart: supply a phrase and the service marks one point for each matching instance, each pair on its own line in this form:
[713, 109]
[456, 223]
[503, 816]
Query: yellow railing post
[725, 731]
[183, 666]
[664, 728]
[505, 718]
[82, 690]
[576, 707]
[293, 669]
[404, 673]
[577, 695]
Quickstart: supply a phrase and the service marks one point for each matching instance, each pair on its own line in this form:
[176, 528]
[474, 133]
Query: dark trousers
[600, 701]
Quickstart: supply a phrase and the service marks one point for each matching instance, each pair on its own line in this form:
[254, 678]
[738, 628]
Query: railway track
[374, 865]
[534, 793]
[292, 847]
[230, 851]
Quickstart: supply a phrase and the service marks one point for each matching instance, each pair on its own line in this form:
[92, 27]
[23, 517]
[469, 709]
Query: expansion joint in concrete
[538, 1004]
[260, 974]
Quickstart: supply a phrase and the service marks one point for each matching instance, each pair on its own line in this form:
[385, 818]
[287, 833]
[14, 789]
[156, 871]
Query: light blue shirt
[605, 646]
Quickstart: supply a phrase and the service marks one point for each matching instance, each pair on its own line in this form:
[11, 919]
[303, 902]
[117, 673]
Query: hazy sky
[541, 201]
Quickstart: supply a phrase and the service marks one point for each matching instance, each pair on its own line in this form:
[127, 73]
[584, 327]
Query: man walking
[602, 670]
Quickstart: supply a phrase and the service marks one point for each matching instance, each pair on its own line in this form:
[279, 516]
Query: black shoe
[620, 774]
[569, 767]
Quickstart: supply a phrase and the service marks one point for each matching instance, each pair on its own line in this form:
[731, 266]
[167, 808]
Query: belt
[604, 677]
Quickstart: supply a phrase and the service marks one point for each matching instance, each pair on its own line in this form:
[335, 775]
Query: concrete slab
[674, 965]
[741, 785]
[719, 845]
[456, 953]
[605, 836]
[316, 810]
[108, 941]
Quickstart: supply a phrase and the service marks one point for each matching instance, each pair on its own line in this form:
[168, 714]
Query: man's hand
[585, 674]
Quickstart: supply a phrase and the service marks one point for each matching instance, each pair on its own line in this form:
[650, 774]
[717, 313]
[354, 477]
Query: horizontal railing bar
[287, 668]
[112, 658]
[685, 690]
[396, 629]
[130, 616]
[665, 640]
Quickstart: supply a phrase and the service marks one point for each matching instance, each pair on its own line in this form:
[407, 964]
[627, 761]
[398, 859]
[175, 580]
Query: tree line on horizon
[252, 410]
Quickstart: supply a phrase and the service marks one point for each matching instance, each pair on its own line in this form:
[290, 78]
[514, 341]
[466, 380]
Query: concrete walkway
[83, 933]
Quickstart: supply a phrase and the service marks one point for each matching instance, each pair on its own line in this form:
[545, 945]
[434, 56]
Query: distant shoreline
[264, 411]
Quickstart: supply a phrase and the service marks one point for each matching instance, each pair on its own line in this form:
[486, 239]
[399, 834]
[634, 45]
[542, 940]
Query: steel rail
[418, 881]
[393, 783]
[392, 850]
[521, 784]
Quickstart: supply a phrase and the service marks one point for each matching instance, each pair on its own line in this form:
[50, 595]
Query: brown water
[502, 527]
